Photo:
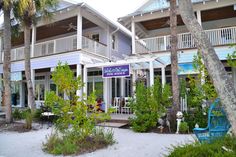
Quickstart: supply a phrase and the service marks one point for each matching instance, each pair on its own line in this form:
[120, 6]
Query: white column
[33, 40]
[122, 87]
[133, 37]
[108, 53]
[79, 73]
[199, 18]
[163, 76]
[107, 92]
[85, 80]
[79, 30]
[134, 82]
[151, 75]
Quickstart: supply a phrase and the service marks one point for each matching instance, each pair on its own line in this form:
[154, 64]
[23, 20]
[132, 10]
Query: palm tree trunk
[221, 80]
[31, 101]
[7, 65]
[174, 57]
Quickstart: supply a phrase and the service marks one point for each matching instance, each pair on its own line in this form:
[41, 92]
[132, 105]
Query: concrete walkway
[129, 144]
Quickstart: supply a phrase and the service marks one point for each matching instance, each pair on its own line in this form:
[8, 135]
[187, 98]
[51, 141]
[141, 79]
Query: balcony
[60, 45]
[218, 37]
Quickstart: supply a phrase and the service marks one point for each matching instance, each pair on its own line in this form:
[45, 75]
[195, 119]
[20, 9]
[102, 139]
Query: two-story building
[150, 27]
[77, 35]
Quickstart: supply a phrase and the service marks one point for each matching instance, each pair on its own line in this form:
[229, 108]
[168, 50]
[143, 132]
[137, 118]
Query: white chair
[126, 107]
[116, 104]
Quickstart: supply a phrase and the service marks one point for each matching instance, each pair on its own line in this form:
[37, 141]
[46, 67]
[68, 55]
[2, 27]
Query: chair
[218, 124]
[126, 107]
[116, 104]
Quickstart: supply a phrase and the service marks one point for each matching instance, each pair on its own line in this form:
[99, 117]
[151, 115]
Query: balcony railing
[222, 36]
[60, 45]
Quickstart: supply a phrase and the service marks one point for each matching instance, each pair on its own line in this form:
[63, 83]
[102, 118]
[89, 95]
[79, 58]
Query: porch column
[234, 76]
[151, 73]
[107, 92]
[163, 76]
[133, 37]
[122, 87]
[108, 49]
[79, 73]
[199, 18]
[79, 30]
[134, 82]
[33, 40]
[85, 80]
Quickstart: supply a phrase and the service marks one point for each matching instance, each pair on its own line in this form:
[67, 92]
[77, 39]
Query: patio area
[129, 144]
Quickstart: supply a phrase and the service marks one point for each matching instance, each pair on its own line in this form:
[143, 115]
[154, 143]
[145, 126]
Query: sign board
[16, 76]
[116, 71]
[186, 68]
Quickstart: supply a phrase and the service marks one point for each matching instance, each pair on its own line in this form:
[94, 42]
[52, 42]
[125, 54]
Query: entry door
[39, 90]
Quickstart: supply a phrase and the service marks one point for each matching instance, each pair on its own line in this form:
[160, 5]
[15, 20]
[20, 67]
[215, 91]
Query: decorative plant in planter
[74, 124]
[149, 105]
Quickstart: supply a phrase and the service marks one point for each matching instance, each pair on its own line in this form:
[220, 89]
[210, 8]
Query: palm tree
[6, 8]
[174, 57]
[221, 80]
[26, 12]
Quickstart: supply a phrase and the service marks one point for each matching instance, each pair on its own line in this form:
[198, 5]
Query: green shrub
[215, 149]
[73, 123]
[17, 114]
[37, 114]
[150, 103]
[28, 116]
[183, 127]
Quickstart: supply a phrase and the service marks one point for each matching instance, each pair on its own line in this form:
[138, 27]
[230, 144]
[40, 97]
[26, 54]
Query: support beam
[79, 73]
[134, 82]
[122, 87]
[163, 76]
[107, 92]
[133, 37]
[199, 17]
[33, 40]
[151, 73]
[85, 80]
[79, 30]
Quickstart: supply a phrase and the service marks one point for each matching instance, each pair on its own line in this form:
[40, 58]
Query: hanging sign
[186, 68]
[116, 71]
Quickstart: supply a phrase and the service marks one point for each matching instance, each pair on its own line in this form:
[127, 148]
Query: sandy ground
[129, 144]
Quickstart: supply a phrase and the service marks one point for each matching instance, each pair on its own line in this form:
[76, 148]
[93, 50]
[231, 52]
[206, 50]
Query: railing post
[79, 29]
[54, 46]
[165, 45]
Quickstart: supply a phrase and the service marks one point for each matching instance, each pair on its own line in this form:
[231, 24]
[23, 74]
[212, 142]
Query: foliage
[231, 59]
[198, 116]
[149, 104]
[216, 149]
[73, 120]
[183, 127]
[28, 116]
[66, 145]
[17, 114]
[37, 114]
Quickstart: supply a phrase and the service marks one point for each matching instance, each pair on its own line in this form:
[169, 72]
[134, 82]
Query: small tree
[150, 103]
[73, 118]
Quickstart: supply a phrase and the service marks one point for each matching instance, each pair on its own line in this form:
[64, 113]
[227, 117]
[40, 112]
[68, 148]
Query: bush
[37, 114]
[67, 145]
[216, 149]
[183, 127]
[73, 124]
[17, 114]
[28, 116]
[150, 103]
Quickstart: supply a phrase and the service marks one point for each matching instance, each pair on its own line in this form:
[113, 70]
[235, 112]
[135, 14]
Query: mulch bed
[14, 126]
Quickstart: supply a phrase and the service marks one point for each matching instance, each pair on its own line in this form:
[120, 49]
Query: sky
[114, 9]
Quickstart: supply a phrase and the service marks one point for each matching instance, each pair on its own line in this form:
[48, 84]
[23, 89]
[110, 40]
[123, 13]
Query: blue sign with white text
[116, 71]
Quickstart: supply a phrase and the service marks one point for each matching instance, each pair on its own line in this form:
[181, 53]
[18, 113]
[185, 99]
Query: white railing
[222, 36]
[60, 45]
[93, 46]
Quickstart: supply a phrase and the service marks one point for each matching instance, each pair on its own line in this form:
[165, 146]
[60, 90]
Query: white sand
[129, 144]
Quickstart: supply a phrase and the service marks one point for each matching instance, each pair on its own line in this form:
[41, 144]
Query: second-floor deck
[60, 45]
[218, 37]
